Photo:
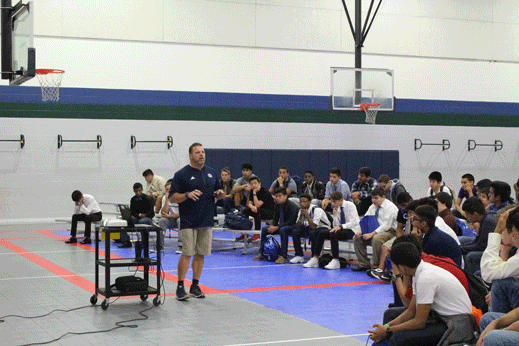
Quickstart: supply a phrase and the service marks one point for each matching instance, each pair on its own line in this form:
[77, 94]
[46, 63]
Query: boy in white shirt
[345, 224]
[86, 210]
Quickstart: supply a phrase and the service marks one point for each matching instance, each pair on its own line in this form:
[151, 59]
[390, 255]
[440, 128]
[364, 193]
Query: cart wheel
[156, 301]
[104, 304]
[93, 299]
[144, 297]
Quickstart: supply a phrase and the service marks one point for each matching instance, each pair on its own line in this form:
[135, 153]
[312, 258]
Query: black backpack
[327, 258]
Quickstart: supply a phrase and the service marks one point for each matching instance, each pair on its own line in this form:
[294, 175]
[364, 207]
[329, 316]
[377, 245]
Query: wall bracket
[446, 144]
[21, 140]
[133, 141]
[498, 145]
[99, 141]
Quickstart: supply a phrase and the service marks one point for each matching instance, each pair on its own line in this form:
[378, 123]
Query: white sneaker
[334, 264]
[313, 263]
[297, 259]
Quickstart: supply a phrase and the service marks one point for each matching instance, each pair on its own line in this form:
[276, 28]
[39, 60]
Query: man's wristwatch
[187, 195]
[388, 330]
[397, 276]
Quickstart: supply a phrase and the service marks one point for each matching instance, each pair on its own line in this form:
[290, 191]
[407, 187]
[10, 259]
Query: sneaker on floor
[371, 272]
[86, 241]
[181, 293]
[259, 257]
[334, 264]
[255, 237]
[281, 260]
[179, 250]
[196, 292]
[313, 263]
[240, 238]
[126, 244]
[297, 259]
[72, 240]
[384, 276]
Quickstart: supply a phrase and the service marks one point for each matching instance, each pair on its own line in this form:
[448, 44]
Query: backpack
[478, 289]
[271, 248]
[464, 229]
[238, 222]
[454, 197]
[327, 258]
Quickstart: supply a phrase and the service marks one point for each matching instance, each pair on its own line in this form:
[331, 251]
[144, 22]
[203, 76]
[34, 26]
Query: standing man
[155, 185]
[195, 188]
[86, 210]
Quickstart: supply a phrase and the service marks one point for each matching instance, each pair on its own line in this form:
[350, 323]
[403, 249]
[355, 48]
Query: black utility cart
[108, 290]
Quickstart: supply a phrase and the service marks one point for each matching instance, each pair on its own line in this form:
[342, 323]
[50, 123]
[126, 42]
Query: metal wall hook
[498, 145]
[21, 140]
[446, 144]
[133, 141]
[98, 141]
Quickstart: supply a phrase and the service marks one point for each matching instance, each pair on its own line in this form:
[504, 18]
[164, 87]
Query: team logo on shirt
[209, 175]
[193, 178]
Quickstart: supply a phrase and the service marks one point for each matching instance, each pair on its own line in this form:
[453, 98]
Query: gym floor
[247, 302]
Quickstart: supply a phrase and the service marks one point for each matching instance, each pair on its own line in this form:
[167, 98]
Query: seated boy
[345, 225]
[86, 210]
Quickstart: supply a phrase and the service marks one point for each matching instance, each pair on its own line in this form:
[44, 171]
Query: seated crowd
[420, 245]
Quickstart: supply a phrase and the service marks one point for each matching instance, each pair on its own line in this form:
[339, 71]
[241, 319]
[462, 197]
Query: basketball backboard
[18, 53]
[351, 87]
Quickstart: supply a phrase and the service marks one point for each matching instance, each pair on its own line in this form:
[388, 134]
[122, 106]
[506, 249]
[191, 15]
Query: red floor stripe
[276, 288]
[76, 280]
[167, 276]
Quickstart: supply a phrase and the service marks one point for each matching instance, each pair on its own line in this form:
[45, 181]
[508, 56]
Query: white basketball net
[50, 83]
[371, 113]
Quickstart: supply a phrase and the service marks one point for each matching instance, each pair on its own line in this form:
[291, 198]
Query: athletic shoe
[240, 238]
[371, 272]
[86, 241]
[196, 292]
[334, 264]
[255, 237]
[384, 276]
[126, 244]
[181, 293]
[297, 259]
[179, 250]
[281, 260]
[313, 263]
[72, 240]
[259, 257]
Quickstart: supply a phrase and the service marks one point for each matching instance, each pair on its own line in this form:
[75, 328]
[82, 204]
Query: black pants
[262, 214]
[87, 219]
[342, 234]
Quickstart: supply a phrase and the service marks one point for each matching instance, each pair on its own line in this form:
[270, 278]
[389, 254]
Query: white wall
[37, 180]
[445, 50]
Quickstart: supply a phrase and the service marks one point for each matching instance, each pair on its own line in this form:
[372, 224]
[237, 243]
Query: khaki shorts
[389, 243]
[197, 241]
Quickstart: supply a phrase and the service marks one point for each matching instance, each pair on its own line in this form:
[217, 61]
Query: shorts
[197, 241]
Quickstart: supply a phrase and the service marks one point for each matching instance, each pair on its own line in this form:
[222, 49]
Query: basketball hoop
[371, 110]
[50, 80]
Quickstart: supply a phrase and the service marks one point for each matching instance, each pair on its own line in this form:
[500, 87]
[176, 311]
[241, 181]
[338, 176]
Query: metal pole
[7, 47]
[358, 50]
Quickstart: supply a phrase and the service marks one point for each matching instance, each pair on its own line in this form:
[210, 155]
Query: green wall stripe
[132, 112]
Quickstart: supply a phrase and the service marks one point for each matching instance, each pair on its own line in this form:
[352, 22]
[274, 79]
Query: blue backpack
[271, 249]
[465, 230]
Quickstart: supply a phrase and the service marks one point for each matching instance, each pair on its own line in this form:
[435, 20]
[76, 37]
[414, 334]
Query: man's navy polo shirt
[196, 214]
